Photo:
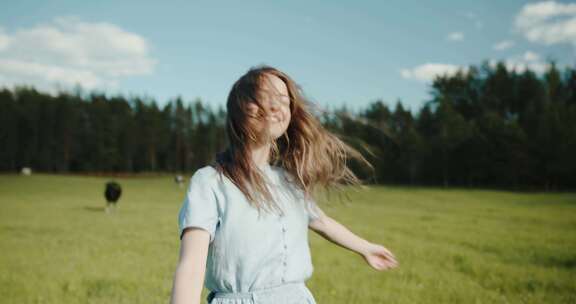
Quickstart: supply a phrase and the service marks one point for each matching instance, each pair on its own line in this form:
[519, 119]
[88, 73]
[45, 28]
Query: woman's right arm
[191, 268]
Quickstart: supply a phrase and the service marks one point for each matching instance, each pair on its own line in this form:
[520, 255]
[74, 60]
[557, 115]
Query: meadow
[454, 245]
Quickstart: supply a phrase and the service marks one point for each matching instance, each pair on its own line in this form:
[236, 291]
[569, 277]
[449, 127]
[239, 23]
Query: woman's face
[276, 105]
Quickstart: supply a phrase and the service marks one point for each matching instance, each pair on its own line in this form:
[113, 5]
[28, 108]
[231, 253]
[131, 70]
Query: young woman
[244, 222]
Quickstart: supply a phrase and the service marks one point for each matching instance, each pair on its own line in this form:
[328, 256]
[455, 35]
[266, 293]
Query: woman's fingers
[383, 264]
[384, 258]
[391, 261]
[389, 255]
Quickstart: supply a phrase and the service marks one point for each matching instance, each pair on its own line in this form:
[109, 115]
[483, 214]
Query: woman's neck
[260, 155]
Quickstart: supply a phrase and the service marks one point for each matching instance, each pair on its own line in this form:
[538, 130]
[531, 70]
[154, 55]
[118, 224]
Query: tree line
[486, 126]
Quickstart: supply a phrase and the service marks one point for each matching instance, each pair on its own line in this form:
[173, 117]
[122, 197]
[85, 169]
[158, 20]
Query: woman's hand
[379, 257]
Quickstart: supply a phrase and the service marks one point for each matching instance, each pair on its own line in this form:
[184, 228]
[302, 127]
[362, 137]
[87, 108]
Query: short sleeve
[200, 208]
[313, 210]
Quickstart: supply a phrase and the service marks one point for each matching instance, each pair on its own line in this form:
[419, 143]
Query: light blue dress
[251, 258]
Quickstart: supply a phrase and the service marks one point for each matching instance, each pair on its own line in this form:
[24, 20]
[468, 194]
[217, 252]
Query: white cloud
[548, 22]
[527, 61]
[521, 66]
[531, 56]
[455, 36]
[68, 51]
[15, 71]
[4, 40]
[503, 45]
[427, 72]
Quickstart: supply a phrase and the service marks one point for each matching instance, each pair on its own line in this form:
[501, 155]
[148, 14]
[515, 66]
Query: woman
[244, 222]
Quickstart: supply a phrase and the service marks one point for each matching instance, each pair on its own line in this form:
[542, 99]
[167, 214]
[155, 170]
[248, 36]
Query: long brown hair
[311, 155]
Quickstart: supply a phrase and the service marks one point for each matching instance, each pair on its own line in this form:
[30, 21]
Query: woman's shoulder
[206, 174]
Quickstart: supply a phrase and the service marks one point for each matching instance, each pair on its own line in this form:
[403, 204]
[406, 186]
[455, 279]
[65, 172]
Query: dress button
[284, 263]
[284, 229]
[285, 247]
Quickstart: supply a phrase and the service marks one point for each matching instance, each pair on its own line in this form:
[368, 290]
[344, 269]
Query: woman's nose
[274, 105]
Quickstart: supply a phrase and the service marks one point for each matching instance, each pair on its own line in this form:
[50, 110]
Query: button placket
[285, 246]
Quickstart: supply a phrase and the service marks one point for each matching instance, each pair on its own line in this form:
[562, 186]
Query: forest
[489, 126]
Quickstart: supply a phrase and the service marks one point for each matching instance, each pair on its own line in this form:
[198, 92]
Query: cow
[112, 193]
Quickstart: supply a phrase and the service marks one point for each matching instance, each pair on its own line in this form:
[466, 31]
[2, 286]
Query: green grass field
[454, 246]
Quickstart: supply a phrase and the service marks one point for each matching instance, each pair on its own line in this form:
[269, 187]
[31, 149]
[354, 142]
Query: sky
[339, 52]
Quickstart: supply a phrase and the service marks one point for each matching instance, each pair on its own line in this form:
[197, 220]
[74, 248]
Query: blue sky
[352, 52]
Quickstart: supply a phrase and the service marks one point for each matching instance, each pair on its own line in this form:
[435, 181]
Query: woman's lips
[273, 118]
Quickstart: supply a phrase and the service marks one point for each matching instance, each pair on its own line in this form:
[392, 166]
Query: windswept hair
[311, 155]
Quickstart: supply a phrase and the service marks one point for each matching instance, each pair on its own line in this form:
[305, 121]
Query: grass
[454, 245]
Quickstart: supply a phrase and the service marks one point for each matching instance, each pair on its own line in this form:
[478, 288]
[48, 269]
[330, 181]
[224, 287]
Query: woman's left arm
[377, 256]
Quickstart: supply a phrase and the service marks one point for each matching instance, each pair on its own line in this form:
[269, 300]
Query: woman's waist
[288, 288]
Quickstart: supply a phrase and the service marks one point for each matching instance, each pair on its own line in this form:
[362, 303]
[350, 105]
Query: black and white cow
[112, 193]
